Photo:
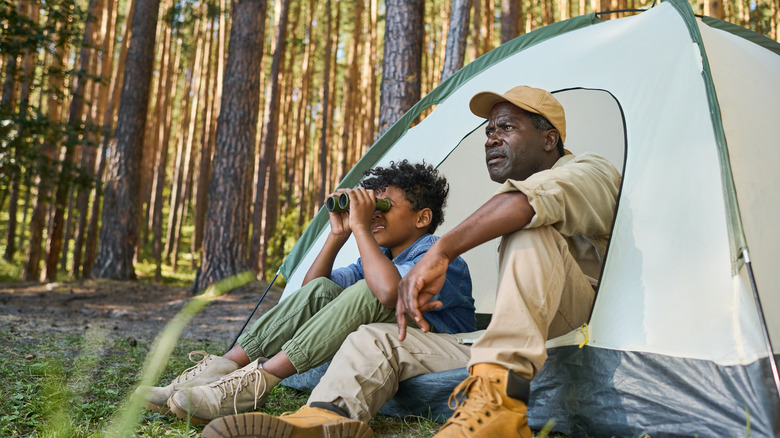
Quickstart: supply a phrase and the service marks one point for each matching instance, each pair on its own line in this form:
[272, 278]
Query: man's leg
[541, 292]
[362, 377]
[318, 339]
[371, 363]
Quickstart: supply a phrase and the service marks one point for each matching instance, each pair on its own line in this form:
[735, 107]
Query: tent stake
[771, 351]
[253, 311]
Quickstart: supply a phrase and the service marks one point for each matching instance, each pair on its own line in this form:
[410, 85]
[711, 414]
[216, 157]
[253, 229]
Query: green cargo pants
[311, 324]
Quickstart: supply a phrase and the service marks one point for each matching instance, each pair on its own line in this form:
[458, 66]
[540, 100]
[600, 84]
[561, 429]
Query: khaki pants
[542, 293]
[310, 325]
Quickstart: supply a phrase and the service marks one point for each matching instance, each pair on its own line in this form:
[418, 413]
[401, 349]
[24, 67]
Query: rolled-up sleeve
[576, 196]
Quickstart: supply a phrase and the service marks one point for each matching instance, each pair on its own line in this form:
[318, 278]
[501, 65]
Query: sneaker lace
[195, 369]
[470, 399]
[230, 385]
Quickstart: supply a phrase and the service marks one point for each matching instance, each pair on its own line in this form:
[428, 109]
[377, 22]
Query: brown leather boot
[492, 404]
[307, 422]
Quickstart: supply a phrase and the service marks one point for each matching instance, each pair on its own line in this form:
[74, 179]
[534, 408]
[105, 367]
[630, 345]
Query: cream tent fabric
[677, 344]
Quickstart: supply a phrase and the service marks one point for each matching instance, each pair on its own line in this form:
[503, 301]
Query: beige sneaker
[209, 369]
[307, 422]
[240, 391]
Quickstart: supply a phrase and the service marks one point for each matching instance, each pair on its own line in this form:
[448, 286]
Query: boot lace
[232, 384]
[473, 399]
[196, 369]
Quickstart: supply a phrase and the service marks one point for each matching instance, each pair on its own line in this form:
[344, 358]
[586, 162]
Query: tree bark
[511, 19]
[402, 59]
[119, 232]
[227, 218]
[456, 37]
[31, 271]
[91, 242]
[75, 121]
[267, 192]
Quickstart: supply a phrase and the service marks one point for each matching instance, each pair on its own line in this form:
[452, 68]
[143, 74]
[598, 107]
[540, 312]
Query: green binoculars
[337, 204]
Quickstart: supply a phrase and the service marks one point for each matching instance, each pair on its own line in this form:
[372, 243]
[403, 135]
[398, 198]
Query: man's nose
[492, 141]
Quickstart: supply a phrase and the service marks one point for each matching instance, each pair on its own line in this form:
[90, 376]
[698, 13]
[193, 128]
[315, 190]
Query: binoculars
[337, 204]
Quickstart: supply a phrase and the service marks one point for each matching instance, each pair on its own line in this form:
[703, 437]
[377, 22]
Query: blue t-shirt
[456, 314]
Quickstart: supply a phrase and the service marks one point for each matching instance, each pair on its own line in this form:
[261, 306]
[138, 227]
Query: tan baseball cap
[531, 99]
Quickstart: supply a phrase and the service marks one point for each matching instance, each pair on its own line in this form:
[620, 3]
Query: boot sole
[184, 415]
[259, 425]
[159, 409]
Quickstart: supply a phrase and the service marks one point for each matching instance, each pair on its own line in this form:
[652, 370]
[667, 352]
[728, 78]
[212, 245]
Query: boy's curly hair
[422, 185]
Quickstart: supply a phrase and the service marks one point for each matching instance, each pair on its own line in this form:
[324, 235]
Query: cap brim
[482, 103]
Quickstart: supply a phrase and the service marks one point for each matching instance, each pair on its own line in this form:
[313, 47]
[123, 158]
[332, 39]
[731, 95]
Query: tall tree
[400, 87]
[456, 37]
[227, 217]
[511, 19]
[266, 195]
[60, 24]
[75, 120]
[119, 232]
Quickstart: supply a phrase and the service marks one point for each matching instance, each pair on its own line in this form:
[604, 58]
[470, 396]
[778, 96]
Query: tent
[680, 339]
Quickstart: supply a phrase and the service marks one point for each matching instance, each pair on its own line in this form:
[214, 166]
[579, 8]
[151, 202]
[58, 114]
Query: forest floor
[44, 323]
[129, 309]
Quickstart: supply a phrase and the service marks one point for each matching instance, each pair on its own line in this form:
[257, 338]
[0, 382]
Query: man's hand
[417, 289]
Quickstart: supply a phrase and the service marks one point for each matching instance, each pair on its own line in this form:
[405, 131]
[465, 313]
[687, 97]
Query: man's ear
[424, 218]
[551, 140]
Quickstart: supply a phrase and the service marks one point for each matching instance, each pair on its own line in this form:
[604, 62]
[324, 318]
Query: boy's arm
[381, 274]
[339, 233]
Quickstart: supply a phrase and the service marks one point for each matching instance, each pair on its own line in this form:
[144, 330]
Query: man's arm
[502, 214]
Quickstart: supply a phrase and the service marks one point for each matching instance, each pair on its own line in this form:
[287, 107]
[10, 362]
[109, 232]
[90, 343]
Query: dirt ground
[131, 309]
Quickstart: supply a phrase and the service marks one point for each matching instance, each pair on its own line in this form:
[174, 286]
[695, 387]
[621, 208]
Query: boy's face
[399, 227]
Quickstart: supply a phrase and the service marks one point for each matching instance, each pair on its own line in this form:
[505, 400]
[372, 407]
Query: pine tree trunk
[402, 58]
[91, 242]
[511, 19]
[326, 104]
[31, 271]
[119, 231]
[227, 218]
[267, 192]
[456, 37]
[75, 116]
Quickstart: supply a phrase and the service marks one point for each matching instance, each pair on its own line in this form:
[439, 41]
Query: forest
[204, 135]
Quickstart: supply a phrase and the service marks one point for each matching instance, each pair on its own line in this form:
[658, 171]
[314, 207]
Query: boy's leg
[371, 363]
[267, 335]
[320, 337]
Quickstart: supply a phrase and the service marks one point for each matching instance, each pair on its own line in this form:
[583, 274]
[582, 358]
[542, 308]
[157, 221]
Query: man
[554, 214]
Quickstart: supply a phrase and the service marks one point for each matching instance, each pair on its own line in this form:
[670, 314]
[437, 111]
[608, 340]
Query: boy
[306, 329]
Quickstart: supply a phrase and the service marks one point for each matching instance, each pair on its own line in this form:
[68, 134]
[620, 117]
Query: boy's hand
[362, 205]
[339, 222]
[417, 289]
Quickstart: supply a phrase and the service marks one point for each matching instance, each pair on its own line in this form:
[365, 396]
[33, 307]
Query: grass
[74, 386]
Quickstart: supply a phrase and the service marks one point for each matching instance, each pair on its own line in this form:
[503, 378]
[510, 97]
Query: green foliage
[288, 230]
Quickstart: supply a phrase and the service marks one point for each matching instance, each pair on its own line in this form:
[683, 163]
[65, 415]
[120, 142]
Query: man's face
[514, 149]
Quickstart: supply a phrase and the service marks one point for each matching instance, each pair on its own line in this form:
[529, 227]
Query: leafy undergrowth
[74, 386]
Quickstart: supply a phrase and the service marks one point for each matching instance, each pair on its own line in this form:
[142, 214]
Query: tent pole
[254, 310]
[772, 362]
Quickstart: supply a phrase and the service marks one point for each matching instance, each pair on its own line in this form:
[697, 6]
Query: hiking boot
[307, 422]
[240, 391]
[205, 371]
[492, 404]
